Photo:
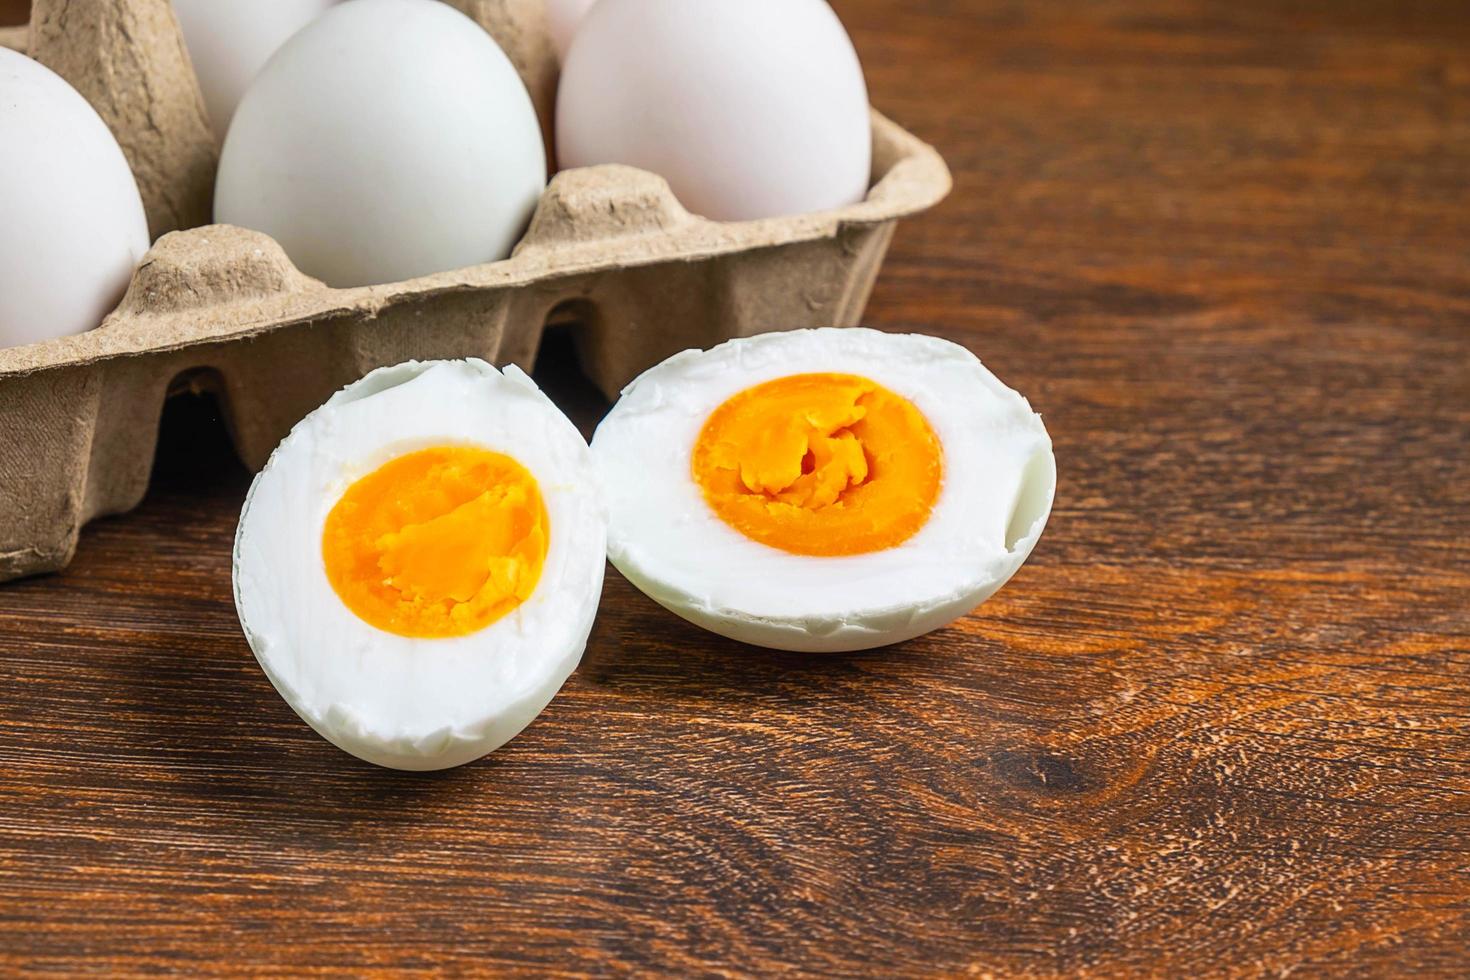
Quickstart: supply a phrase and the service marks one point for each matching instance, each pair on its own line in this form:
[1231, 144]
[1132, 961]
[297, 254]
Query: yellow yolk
[437, 543]
[820, 464]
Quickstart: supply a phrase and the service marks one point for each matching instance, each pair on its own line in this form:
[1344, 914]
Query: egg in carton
[609, 249]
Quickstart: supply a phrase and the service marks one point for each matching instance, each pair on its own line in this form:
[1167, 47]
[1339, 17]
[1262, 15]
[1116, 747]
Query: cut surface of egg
[823, 490]
[418, 565]
[387, 139]
[72, 227]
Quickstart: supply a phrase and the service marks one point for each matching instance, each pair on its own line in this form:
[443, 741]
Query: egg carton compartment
[609, 249]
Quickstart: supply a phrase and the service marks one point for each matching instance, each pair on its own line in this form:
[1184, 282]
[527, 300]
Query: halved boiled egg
[418, 566]
[823, 490]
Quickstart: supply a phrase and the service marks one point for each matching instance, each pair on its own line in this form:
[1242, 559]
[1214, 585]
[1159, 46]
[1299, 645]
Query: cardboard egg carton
[609, 249]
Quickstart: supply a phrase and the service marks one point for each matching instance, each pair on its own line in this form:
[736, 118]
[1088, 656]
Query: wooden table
[1219, 724]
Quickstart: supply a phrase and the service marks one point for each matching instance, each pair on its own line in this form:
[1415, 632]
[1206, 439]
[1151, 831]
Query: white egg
[563, 18]
[388, 139]
[387, 584]
[72, 227]
[229, 41]
[750, 110]
[939, 480]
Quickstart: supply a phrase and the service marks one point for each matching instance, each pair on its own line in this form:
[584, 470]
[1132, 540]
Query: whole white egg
[563, 18]
[750, 110]
[72, 227]
[418, 566]
[823, 490]
[388, 139]
[229, 41]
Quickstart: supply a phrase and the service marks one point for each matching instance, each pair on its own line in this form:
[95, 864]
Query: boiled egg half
[823, 490]
[418, 566]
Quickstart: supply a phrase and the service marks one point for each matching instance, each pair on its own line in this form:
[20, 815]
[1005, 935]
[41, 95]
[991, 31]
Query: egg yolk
[437, 543]
[820, 464]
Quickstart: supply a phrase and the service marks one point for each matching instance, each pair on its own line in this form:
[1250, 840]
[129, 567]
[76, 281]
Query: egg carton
[609, 250]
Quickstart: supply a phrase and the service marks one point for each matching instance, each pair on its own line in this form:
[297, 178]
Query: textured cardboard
[609, 249]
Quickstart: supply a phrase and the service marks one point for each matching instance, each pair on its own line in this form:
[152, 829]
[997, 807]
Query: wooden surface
[1219, 725]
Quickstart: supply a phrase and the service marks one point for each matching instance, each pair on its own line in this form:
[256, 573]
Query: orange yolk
[820, 464]
[437, 543]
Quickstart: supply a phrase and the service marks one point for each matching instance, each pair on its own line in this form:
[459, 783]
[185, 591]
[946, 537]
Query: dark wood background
[1220, 724]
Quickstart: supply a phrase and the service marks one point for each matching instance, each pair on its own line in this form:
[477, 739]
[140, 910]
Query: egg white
[391, 700]
[997, 491]
[387, 139]
[72, 224]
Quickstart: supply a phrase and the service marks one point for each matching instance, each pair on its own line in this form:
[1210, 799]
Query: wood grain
[1219, 725]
